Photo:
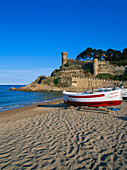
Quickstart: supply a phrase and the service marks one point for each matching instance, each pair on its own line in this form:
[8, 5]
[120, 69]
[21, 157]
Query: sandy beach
[52, 136]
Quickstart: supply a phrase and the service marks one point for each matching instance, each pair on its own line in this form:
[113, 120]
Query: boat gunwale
[88, 94]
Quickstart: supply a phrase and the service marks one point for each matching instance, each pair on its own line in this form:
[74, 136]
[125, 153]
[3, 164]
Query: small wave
[5, 108]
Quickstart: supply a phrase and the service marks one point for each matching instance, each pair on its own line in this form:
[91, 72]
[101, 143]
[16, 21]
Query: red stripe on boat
[90, 96]
[96, 104]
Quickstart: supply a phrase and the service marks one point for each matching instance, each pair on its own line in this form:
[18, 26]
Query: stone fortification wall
[95, 67]
[114, 70]
[83, 64]
[103, 62]
[103, 67]
[87, 83]
[78, 61]
[119, 70]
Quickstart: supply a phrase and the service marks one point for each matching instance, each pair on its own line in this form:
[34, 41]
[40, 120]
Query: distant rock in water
[13, 88]
[19, 89]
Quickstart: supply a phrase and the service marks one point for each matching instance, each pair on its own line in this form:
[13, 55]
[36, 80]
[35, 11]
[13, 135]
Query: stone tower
[95, 66]
[64, 58]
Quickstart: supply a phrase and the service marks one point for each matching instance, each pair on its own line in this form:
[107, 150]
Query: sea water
[15, 99]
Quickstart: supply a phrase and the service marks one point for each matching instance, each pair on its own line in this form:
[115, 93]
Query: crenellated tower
[95, 66]
[64, 58]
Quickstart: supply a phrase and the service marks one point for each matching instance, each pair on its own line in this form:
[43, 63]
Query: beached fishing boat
[124, 94]
[124, 90]
[94, 99]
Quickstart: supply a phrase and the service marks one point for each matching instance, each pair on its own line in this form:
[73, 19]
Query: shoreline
[6, 113]
[26, 105]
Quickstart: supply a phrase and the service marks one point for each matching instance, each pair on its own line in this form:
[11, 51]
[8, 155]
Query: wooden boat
[95, 99]
[124, 91]
[124, 94]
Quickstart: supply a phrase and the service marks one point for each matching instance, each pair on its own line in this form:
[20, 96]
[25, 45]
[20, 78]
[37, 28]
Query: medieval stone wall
[103, 67]
[119, 70]
[114, 70]
[95, 67]
[82, 64]
[87, 83]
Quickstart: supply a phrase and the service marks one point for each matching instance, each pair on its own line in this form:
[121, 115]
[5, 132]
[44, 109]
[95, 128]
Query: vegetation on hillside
[119, 63]
[56, 81]
[106, 76]
[109, 55]
[122, 77]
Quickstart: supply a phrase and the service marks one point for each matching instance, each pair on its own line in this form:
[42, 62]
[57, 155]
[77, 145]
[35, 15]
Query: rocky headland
[60, 79]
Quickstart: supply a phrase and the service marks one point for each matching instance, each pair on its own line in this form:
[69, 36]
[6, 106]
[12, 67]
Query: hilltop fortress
[95, 66]
[82, 74]
[76, 75]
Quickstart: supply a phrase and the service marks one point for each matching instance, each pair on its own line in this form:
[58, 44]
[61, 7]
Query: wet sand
[51, 136]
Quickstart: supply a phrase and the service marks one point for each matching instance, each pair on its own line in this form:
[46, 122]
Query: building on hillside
[95, 66]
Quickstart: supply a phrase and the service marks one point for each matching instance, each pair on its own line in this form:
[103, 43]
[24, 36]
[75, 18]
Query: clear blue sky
[33, 33]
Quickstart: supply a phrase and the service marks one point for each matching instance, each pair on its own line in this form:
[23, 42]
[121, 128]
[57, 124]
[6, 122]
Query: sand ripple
[58, 138]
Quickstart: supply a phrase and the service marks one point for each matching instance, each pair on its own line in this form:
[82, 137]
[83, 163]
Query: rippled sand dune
[52, 137]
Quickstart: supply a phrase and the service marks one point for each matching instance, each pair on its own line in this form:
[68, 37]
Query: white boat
[124, 94]
[124, 91]
[95, 99]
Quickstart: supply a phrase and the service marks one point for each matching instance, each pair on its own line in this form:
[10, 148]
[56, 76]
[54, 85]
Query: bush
[54, 72]
[119, 63]
[47, 81]
[87, 70]
[74, 82]
[116, 77]
[67, 64]
[105, 76]
[122, 77]
[56, 81]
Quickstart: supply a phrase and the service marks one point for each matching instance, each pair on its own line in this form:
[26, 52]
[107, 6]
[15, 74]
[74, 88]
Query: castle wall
[119, 70]
[99, 67]
[87, 83]
[95, 67]
[114, 70]
[82, 64]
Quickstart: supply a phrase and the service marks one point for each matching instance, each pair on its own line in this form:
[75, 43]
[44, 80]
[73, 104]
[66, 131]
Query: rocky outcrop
[61, 79]
[12, 88]
[43, 83]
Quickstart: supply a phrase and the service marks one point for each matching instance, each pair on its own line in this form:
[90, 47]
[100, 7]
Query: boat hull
[95, 104]
[109, 98]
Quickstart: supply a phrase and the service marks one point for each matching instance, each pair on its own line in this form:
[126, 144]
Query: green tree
[109, 54]
[113, 55]
[116, 55]
[100, 54]
[85, 55]
[124, 54]
[90, 53]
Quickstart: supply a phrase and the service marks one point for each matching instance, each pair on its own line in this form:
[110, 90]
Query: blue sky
[33, 33]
